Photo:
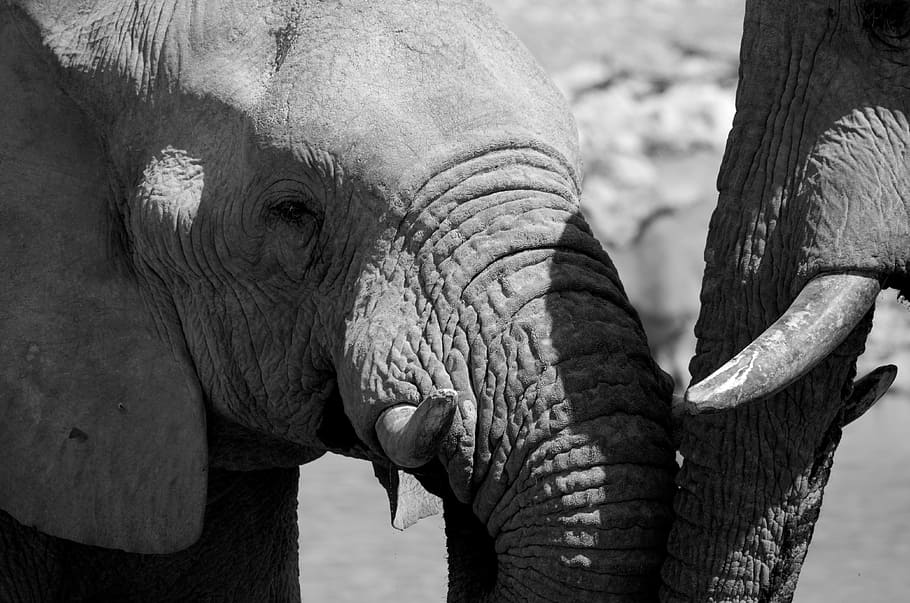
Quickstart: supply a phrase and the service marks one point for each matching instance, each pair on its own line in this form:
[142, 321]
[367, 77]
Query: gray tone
[237, 235]
[814, 184]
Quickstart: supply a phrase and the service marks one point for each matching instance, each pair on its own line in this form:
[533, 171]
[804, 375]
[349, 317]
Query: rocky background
[652, 85]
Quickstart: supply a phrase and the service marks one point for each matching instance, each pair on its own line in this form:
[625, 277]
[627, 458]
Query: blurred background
[652, 85]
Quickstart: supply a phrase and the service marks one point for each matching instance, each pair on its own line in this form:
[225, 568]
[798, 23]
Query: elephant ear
[102, 425]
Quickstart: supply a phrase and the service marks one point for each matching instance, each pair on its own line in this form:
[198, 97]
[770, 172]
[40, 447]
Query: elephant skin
[814, 189]
[238, 236]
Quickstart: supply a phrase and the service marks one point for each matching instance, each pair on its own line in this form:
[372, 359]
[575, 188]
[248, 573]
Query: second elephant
[811, 223]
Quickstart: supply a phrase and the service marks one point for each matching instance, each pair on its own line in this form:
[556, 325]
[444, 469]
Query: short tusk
[411, 435]
[827, 309]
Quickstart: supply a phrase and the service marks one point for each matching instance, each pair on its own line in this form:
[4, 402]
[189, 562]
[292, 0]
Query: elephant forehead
[377, 84]
[403, 83]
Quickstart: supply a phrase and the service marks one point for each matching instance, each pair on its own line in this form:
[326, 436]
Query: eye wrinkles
[887, 22]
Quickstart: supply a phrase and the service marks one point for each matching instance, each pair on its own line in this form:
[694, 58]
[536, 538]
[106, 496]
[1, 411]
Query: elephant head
[347, 227]
[810, 224]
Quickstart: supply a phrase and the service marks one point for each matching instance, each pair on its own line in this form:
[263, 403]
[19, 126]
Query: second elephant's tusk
[411, 435]
[827, 309]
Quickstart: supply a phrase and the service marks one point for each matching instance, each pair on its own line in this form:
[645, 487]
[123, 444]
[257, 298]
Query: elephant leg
[247, 552]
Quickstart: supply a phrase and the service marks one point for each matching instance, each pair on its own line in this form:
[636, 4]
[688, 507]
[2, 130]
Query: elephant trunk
[751, 486]
[573, 466]
[798, 224]
[559, 463]
[574, 494]
[812, 186]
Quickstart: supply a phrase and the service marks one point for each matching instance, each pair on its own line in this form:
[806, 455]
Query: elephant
[240, 235]
[809, 227]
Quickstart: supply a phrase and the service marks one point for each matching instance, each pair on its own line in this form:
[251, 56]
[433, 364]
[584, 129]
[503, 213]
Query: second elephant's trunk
[810, 222]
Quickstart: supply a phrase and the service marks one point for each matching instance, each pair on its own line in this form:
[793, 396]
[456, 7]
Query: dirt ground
[651, 83]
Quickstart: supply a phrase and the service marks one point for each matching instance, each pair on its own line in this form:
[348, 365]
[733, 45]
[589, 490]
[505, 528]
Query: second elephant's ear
[102, 425]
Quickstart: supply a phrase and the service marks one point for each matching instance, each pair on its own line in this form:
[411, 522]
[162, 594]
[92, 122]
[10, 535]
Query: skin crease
[814, 181]
[330, 209]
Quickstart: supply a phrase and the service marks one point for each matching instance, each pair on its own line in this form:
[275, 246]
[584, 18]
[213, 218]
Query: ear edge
[102, 422]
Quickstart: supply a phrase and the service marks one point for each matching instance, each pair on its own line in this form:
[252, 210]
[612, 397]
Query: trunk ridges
[570, 470]
[746, 510]
[577, 481]
[751, 483]
[464, 186]
[572, 467]
[801, 525]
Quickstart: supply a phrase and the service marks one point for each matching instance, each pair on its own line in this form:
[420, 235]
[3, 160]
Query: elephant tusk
[819, 319]
[411, 435]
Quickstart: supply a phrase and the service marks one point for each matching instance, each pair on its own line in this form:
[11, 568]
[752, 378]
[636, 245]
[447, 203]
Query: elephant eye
[291, 203]
[887, 21]
[294, 212]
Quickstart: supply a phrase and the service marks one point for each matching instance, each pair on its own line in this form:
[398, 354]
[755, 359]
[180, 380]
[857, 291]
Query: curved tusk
[819, 319]
[411, 435]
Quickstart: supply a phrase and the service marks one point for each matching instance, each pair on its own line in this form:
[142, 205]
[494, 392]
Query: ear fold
[102, 426]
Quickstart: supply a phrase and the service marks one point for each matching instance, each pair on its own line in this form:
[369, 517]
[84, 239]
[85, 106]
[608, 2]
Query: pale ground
[651, 83]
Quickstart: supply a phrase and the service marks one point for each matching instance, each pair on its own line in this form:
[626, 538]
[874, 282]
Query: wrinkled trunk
[752, 480]
[561, 489]
[575, 489]
[809, 174]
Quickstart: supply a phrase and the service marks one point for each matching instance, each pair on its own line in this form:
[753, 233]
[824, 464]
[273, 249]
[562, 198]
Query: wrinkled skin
[815, 181]
[244, 231]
